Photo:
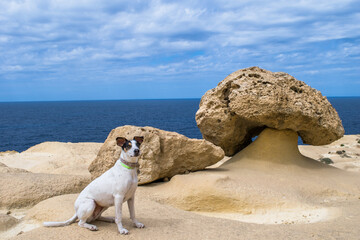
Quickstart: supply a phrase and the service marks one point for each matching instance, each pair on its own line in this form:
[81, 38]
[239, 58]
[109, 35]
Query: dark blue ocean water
[25, 124]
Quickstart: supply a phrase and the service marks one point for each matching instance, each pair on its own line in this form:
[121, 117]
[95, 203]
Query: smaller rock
[166, 179]
[8, 212]
[163, 153]
[326, 160]
[342, 154]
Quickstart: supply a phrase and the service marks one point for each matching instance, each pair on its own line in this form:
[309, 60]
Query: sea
[25, 124]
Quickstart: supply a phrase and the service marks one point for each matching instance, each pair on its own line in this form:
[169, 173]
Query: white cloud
[11, 68]
[174, 37]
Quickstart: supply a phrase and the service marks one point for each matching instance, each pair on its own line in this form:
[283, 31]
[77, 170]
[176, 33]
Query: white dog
[115, 186]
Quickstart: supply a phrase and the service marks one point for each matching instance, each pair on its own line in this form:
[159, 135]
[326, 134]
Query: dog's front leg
[131, 205]
[118, 201]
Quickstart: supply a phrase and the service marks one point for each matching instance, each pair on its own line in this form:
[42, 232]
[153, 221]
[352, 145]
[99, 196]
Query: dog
[114, 187]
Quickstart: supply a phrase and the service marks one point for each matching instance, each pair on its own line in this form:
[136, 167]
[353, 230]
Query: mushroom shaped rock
[163, 154]
[251, 99]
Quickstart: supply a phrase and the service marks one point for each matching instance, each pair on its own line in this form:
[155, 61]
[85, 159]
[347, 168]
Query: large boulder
[163, 153]
[251, 99]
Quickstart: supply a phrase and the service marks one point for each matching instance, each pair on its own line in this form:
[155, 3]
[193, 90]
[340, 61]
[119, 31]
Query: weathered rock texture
[7, 221]
[270, 175]
[251, 99]
[54, 157]
[21, 189]
[163, 153]
[5, 169]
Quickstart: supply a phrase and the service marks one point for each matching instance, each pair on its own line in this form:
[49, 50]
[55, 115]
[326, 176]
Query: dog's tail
[61, 224]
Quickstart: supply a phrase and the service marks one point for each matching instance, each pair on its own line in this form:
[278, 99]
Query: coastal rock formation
[55, 158]
[164, 154]
[269, 176]
[27, 189]
[268, 183]
[251, 99]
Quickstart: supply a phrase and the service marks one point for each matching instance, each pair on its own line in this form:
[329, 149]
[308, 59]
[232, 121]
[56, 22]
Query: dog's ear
[139, 139]
[120, 141]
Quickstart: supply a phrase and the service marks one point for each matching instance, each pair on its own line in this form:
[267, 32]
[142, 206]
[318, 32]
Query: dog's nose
[136, 151]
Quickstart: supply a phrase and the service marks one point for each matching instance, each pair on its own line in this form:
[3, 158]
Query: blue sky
[89, 50]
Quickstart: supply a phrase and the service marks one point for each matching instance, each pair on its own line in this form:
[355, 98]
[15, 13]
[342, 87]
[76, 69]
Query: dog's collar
[128, 165]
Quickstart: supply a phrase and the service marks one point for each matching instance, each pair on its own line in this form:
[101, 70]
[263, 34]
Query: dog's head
[130, 147]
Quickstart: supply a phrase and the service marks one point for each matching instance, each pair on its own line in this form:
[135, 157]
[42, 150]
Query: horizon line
[130, 99]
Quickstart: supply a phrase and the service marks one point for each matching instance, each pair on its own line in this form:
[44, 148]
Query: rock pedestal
[269, 175]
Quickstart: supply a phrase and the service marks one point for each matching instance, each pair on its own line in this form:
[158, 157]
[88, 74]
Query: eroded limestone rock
[163, 154]
[251, 99]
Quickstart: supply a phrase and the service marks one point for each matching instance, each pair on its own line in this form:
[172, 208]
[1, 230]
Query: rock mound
[251, 99]
[59, 208]
[54, 158]
[268, 176]
[164, 154]
[19, 190]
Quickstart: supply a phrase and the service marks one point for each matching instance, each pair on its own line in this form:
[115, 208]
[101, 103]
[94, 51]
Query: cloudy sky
[90, 49]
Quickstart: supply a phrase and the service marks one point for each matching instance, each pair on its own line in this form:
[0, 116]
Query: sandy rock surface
[269, 182]
[54, 157]
[343, 153]
[7, 221]
[163, 221]
[6, 169]
[19, 190]
[163, 153]
[250, 99]
[267, 191]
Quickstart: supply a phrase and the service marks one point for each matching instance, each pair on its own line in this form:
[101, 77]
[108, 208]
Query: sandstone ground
[325, 205]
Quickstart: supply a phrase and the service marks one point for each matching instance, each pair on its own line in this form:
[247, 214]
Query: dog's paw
[93, 228]
[139, 225]
[124, 231]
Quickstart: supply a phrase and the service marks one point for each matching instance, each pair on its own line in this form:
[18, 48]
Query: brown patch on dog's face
[127, 146]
